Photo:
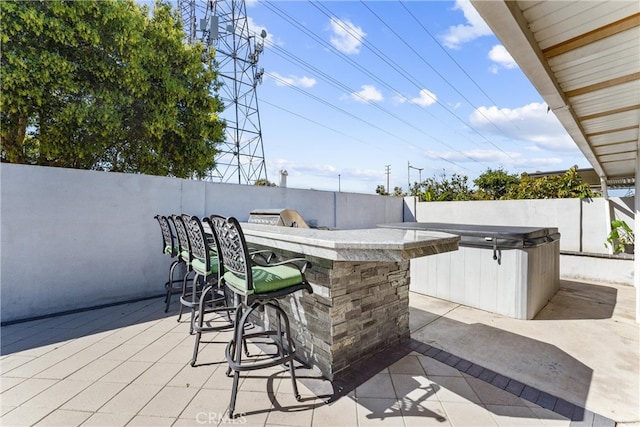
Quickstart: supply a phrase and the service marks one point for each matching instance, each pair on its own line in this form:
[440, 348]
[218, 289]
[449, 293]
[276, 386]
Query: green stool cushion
[199, 266]
[266, 279]
[167, 249]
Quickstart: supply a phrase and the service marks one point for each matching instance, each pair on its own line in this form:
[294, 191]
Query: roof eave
[508, 24]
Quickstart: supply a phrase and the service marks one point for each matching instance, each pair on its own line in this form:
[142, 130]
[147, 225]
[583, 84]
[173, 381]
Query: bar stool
[208, 297]
[185, 255]
[169, 247]
[257, 286]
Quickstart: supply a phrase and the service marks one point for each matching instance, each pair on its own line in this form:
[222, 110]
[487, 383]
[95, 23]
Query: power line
[336, 83]
[328, 104]
[460, 67]
[452, 86]
[407, 76]
[323, 125]
[332, 49]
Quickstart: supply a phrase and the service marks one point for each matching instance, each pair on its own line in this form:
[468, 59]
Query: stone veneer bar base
[357, 309]
[368, 304]
[360, 279]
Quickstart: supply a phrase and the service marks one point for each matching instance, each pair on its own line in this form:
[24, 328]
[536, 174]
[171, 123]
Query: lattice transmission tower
[222, 25]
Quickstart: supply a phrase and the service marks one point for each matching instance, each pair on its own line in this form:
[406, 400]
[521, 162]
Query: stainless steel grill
[281, 217]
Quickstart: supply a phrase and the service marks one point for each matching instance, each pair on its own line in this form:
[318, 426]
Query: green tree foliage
[381, 190]
[105, 85]
[569, 185]
[264, 183]
[494, 184]
[498, 184]
[442, 188]
[397, 192]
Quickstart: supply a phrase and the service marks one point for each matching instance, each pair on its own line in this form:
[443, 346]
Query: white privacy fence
[582, 223]
[72, 239]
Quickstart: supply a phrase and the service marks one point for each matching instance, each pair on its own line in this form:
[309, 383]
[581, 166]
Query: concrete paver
[575, 364]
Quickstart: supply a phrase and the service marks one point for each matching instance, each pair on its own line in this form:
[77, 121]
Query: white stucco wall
[71, 239]
[581, 223]
[74, 239]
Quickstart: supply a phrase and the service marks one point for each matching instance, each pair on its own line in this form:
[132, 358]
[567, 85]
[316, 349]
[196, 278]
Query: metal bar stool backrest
[233, 248]
[215, 222]
[207, 264]
[197, 239]
[183, 238]
[169, 245]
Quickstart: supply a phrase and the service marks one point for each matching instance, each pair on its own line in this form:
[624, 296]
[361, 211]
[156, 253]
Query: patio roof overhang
[590, 177]
[584, 60]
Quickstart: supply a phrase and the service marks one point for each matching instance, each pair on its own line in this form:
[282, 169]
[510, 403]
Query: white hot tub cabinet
[512, 271]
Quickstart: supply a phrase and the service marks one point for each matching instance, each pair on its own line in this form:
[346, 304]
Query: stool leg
[167, 299]
[194, 287]
[200, 326]
[236, 303]
[195, 349]
[237, 349]
[184, 293]
[290, 350]
[279, 341]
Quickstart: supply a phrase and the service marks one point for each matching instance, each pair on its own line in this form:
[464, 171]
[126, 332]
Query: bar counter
[360, 280]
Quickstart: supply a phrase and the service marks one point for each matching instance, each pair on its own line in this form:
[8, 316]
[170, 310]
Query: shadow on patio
[129, 365]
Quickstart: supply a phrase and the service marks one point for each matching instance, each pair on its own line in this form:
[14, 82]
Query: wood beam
[603, 85]
[593, 36]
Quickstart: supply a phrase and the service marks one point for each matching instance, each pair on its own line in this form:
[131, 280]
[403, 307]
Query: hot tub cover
[492, 236]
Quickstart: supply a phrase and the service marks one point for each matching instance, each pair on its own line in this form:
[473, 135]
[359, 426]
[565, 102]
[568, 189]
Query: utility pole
[408, 177]
[388, 172]
[409, 167]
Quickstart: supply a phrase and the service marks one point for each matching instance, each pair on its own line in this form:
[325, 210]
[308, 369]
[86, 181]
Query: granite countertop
[371, 244]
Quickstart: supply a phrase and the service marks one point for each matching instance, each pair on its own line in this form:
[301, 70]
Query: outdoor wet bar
[512, 271]
[360, 280]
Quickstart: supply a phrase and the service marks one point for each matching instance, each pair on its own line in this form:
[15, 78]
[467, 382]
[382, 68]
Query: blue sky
[352, 87]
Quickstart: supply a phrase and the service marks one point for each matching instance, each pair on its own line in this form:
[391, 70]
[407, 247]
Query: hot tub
[512, 271]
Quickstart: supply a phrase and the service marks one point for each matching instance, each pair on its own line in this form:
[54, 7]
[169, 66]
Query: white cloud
[425, 98]
[502, 58]
[399, 99]
[474, 155]
[474, 28]
[368, 93]
[530, 123]
[332, 171]
[325, 177]
[296, 81]
[346, 36]
[295, 168]
[496, 157]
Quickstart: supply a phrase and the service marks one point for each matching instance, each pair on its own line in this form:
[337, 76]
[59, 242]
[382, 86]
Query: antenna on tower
[223, 25]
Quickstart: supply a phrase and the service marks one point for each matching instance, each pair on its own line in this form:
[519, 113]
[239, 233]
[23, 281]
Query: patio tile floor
[129, 365]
